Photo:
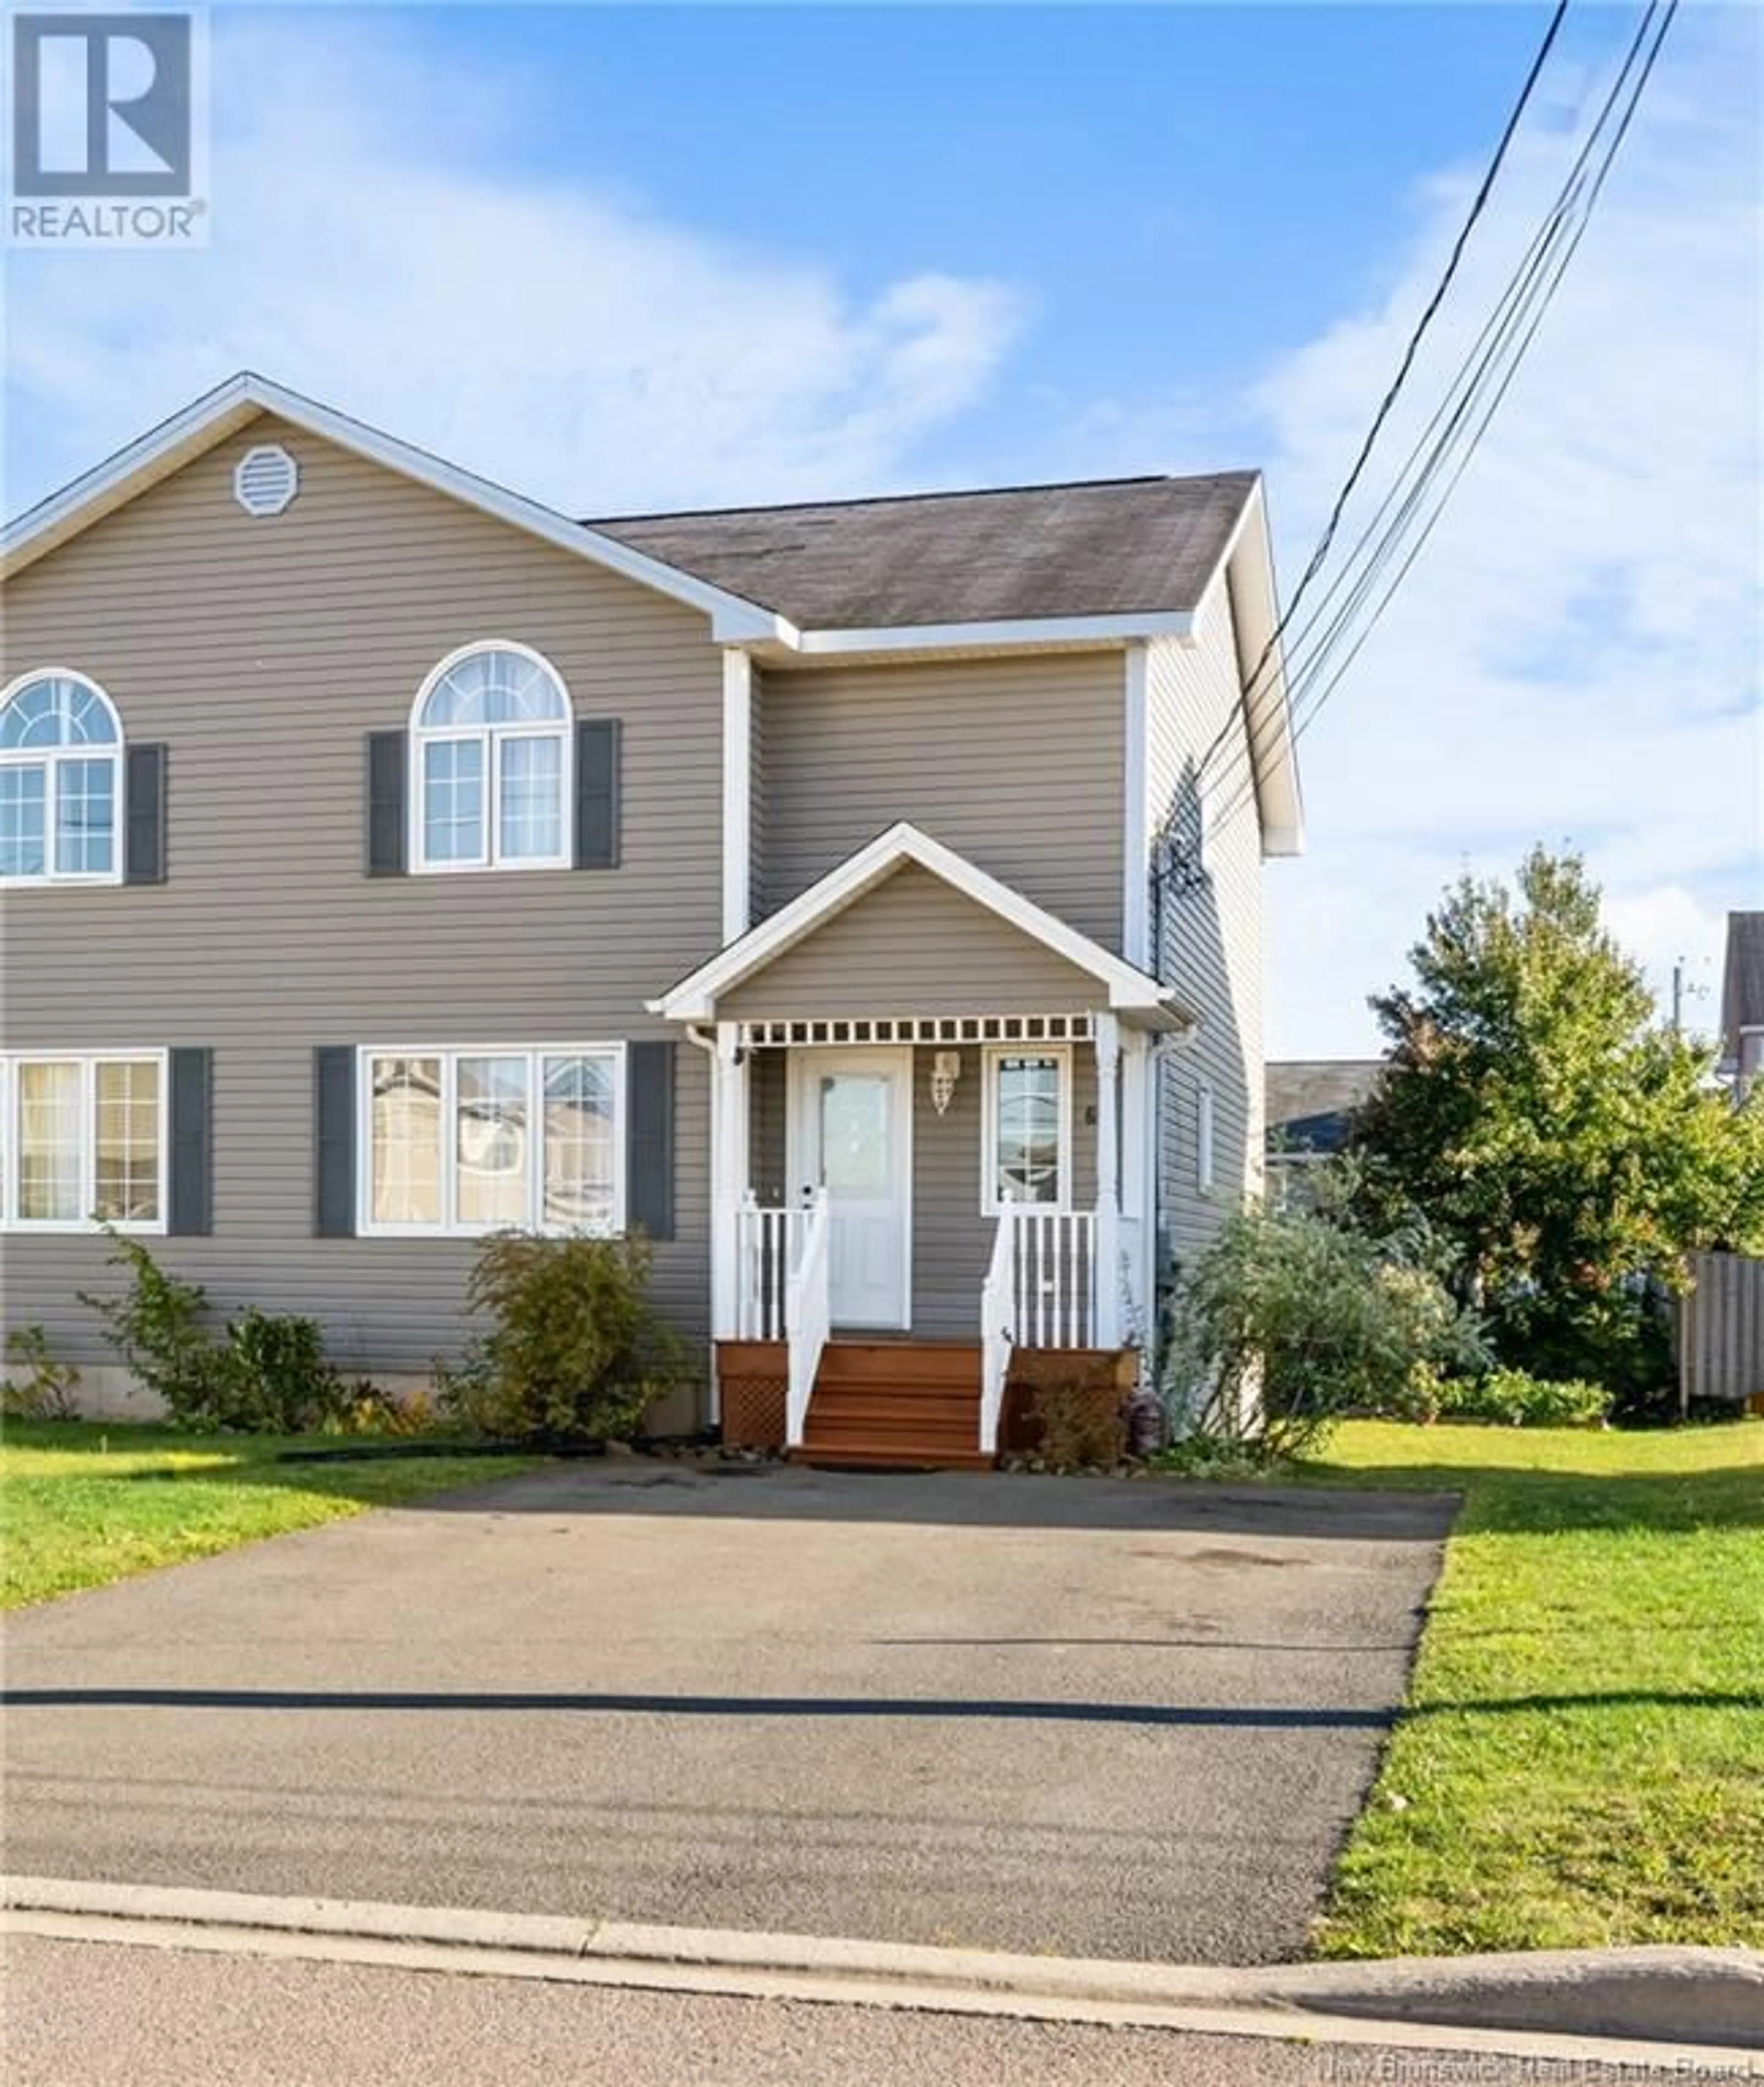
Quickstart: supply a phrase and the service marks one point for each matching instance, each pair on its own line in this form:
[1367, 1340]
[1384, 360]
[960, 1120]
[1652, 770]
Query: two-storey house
[863, 899]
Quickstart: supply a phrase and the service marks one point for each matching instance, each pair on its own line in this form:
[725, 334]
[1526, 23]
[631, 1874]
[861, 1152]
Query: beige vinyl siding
[260, 653]
[952, 1241]
[913, 945]
[1016, 763]
[1210, 946]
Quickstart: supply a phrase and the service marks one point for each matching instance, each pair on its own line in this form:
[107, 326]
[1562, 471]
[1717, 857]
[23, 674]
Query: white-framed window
[493, 760]
[84, 1139]
[61, 781]
[464, 1139]
[1027, 1140]
[1203, 1139]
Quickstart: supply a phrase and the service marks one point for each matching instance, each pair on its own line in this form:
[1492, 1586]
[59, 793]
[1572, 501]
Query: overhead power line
[1478, 203]
[1444, 449]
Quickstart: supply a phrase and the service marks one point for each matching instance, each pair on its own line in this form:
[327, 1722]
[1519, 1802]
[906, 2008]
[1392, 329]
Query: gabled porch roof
[1122, 987]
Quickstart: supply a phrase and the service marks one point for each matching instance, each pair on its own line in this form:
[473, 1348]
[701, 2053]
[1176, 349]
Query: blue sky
[633, 258]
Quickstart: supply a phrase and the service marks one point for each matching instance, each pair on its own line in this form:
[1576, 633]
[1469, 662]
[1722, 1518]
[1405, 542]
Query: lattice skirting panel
[1102, 1378]
[754, 1380]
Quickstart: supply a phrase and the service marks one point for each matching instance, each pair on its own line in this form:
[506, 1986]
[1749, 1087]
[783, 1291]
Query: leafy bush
[1421, 1396]
[1288, 1321]
[575, 1351]
[272, 1377]
[1205, 1457]
[156, 1326]
[1516, 1399]
[46, 1389]
[268, 1375]
[368, 1408]
[466, 1396]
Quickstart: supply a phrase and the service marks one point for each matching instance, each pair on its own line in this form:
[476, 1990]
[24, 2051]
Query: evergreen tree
[1569, 1148]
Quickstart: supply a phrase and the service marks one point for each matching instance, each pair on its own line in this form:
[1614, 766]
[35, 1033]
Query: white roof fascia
[1019, 630]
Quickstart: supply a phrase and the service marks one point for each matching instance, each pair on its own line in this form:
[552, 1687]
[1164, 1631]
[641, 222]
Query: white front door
[851, 1133]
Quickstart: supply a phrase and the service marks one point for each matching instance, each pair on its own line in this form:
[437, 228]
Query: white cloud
[569, 342]
[1576, 656]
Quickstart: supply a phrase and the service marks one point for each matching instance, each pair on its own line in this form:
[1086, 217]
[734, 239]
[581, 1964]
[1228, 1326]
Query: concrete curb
[1659, 2004]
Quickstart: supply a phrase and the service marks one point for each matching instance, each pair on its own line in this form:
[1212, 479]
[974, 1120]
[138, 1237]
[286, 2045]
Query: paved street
[1101, 1718]
[159, 2018]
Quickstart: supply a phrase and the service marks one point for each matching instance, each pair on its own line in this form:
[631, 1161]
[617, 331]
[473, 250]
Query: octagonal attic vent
[266, 479]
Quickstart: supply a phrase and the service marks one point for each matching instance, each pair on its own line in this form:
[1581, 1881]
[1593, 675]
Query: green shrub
[156, 1326]
[1421, 1396]
[268, 1375]
[45, 1389]
[272, 1377]
[368, 1408]
[1205, 1457]
[1516, 1399]
[575, 1350]
[465, 1395]
[1288, 1321]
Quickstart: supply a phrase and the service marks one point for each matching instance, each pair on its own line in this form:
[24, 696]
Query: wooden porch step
[905, 1457]
[896, 1405]
[866, 1391]
[924, 1399]
[900, 1363]
[881, 1427]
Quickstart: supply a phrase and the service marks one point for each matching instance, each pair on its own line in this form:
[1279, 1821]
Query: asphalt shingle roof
[1310, 1102]
[1109, 547]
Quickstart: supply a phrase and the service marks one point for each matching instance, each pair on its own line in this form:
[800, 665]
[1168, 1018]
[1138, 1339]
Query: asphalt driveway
[1102, 1718]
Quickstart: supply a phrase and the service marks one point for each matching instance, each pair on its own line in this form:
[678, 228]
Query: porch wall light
[945, 1071]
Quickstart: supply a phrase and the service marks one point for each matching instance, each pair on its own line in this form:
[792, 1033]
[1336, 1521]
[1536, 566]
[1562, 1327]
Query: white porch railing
[807, 1316]
[998, 1309]
[1055, 1287]
[768, 1246]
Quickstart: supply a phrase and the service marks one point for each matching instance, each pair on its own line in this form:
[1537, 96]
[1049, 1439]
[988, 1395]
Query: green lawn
[81, 1503]
[1581, 1761]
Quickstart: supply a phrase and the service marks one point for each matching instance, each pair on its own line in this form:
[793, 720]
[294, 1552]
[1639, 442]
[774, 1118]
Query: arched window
[61, 778]
[491, 753]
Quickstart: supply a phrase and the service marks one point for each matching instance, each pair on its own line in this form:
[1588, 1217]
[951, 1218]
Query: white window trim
[48, 759]
[421, 737]
[450, 1226]
[994, 1055]
[87, 1061]
[1206, 1156]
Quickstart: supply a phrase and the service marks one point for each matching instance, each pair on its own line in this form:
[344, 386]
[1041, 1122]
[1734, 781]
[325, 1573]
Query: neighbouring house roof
[1310, 1102]
[1123, 987]
[1742, 988]
[1103, 547]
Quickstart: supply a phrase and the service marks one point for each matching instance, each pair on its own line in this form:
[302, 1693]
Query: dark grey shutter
[597, 760]
[334, 1140]
[190, 1196]
[143, 825]
[649, 1071]
[386, 804]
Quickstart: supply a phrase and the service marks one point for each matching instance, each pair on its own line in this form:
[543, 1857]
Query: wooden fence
[1721, 1330]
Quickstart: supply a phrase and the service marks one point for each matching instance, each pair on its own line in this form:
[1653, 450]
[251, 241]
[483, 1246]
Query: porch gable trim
[694, 998]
